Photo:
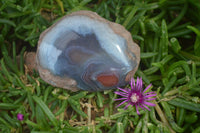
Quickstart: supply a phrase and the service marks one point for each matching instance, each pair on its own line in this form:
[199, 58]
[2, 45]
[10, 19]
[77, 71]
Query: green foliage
[168, 32]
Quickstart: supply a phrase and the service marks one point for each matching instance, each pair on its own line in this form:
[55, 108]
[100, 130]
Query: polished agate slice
[85, 51]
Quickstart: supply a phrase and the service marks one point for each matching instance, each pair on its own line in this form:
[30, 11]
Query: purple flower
[136, 96]
[20, 116]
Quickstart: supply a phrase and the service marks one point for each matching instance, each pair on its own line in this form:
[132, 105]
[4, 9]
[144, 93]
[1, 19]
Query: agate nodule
[85, 51]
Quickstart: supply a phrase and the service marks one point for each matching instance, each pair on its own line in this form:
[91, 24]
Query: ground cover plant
[168, 33]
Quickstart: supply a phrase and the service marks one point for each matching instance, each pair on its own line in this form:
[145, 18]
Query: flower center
[134, 98]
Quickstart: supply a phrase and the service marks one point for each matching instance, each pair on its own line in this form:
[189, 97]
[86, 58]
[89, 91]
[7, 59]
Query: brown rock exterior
[29, 61]
[71, 84]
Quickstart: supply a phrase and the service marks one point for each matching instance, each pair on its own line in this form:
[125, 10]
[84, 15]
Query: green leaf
[76, 107]
[8, 106]
[197, 41]
[164, 39]
[6, 21]
[148, 55]
[197, 46]
[46, 110]
[130, 16]
[175, 45]
[179, 102]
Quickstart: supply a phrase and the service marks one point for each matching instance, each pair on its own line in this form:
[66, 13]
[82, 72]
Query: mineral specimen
[85, 51]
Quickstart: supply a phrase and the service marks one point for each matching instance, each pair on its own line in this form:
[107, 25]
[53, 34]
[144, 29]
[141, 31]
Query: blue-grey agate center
[87, 51]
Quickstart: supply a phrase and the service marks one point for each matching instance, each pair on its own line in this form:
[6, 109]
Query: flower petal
[150, 99]
[151, 95]
[120, 99]
[137, 109]
[141, 83]
[138, 83]
[127, 105]
[140, 106]
[150, 104]
[146, 107]
[123, 90]
[121, 103]
[147, 88]
[132, 83]
[121, 94]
